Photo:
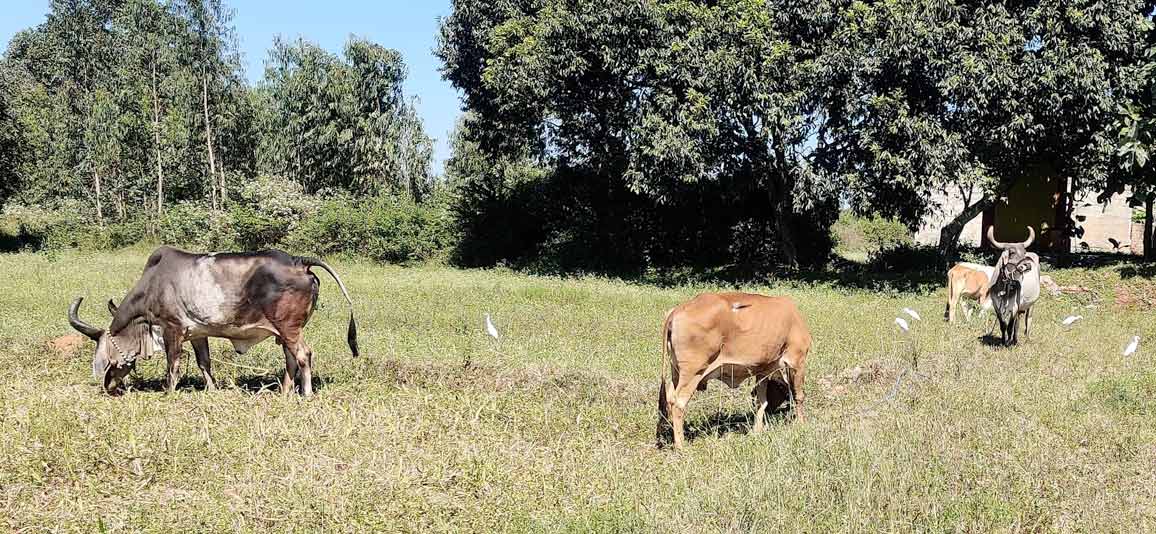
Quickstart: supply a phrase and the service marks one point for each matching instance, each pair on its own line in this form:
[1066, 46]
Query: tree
[10, 143]
[649, 103]
[214, 61]
[1135, 130]
[334, 123]
[947, 97]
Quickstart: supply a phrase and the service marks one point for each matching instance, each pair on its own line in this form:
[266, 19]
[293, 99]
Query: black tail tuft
[351, 336]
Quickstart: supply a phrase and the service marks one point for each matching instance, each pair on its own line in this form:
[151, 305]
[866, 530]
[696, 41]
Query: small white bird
[1132, 346]
[912, 313]
[1071, 319]
[490, 329]
[902, 324]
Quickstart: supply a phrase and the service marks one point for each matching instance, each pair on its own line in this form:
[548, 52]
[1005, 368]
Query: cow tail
[351, 334]
[663, 369]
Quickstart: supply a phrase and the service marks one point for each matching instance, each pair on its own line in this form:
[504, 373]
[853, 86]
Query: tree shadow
[1147, 270]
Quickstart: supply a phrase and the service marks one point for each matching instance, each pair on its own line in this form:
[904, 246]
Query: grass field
[437, 427]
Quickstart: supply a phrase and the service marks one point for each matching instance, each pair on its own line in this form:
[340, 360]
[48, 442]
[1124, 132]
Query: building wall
[952, 204]
[1103, 221]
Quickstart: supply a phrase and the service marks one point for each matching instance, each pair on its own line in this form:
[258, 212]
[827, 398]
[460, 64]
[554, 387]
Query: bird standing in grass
[902, 324]
[1135, 344]
[1071, 319]
[912, 313]
[490, 329]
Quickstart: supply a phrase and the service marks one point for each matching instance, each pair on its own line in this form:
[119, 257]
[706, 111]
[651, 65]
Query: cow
[730, 337]
[244, 297]
[1016, 286]
[967, 280]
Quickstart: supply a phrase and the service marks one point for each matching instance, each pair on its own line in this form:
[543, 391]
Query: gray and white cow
[243, 297]
[1015, 286]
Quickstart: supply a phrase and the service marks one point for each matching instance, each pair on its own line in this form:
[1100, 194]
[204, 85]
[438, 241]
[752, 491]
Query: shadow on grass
[741, 422]
[254, 384]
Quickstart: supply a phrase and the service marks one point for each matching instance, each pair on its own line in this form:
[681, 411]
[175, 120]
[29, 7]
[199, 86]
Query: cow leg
[289, 379]
[687, 385]
[298, 366]
[794, 380]
[305, 362]
[173, 342]
[201, 349]
[761, 403]
[1027, 324]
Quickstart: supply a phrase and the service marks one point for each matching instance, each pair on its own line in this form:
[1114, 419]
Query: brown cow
[730, 337]
[969, 280]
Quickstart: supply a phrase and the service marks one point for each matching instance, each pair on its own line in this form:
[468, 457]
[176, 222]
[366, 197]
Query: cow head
[1013, 263]
[116, 353]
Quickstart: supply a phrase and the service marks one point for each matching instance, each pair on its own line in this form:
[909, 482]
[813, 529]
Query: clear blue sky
[408, 26]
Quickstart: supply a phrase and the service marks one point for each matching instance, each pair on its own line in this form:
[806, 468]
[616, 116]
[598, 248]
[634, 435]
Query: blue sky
[408, 26]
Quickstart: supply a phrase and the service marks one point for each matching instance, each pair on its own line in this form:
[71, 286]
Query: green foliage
[267, 209]
[645, 114]
[68, 226]
[869, 234]
[389, 229]
[198, 227]
[345, 124]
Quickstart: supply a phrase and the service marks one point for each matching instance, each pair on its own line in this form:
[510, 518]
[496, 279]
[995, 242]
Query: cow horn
[92, 332]
[991, 237]
[1031, 237]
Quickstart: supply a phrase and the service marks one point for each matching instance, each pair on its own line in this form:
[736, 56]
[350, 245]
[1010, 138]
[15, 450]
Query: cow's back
[740, 326]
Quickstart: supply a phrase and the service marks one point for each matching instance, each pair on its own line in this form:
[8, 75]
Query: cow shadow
[742, 422]
[254, 384]
[993, 341]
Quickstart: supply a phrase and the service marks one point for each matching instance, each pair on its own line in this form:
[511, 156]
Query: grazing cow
[968, 280]
[730, 337]
[242, 297]
[1016, 286]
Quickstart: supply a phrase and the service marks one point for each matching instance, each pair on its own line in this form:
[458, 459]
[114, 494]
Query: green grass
[551, 429]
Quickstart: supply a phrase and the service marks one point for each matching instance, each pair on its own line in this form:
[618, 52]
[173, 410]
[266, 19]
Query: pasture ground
[439, 428]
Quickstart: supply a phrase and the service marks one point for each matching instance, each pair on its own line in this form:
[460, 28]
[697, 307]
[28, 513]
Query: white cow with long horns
[1015, 286]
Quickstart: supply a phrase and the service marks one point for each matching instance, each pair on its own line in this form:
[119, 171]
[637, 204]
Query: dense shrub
[195, 226]
[870, 235]
[387, 228]
[267, 209]
[69, 225]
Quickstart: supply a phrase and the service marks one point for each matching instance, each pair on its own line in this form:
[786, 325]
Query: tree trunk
[949, 235]
[99, 205]
[1149, 253]
[209, 138]
[157, 142]
[782, 206]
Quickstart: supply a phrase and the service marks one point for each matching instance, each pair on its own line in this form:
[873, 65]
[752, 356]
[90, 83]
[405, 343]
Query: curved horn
[92, 332]
[991, 237]
[1031, 237]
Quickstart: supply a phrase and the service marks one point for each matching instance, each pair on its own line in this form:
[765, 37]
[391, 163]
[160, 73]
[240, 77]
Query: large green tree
[655, 99]
[334, 123]
[959, 96]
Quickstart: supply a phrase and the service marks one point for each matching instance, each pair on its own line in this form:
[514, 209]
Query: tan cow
[970, 280]
[730, 337]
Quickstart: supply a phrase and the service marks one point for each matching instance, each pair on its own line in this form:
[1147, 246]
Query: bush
[870, 235]
[196, 226]
[387, 228]
[70, 225]
[267, 209]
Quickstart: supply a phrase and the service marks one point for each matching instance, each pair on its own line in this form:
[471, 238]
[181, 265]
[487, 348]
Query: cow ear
[100, 364]
[111, 307]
